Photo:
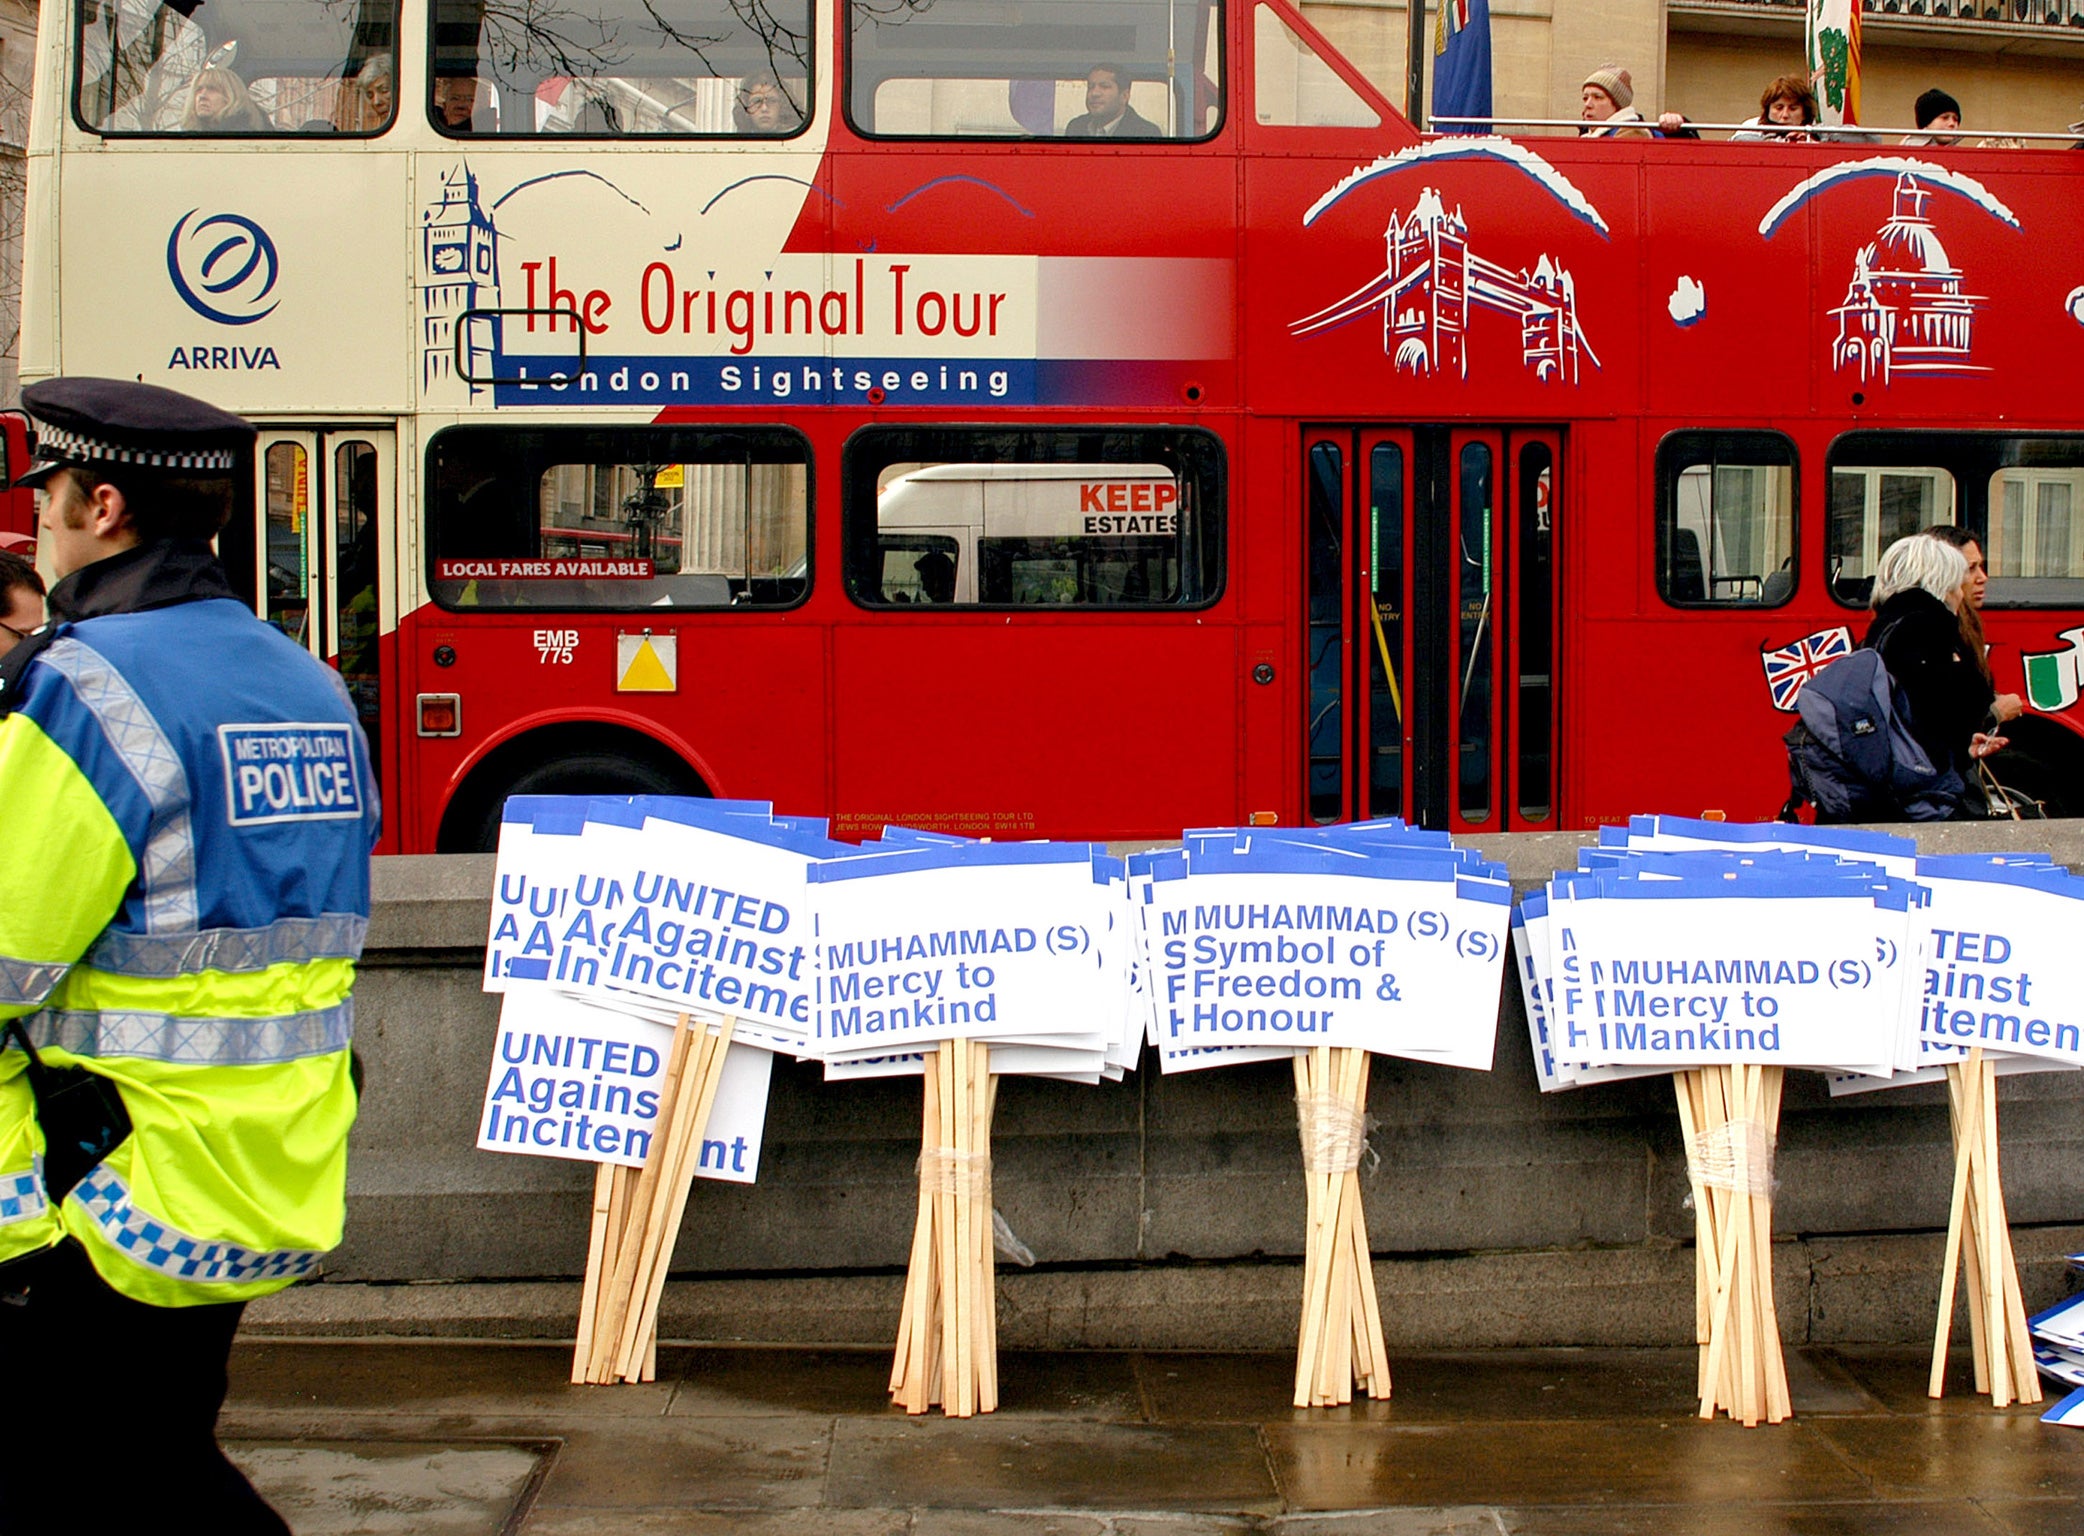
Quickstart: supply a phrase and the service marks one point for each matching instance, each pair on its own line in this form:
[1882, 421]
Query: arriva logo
[224, 267]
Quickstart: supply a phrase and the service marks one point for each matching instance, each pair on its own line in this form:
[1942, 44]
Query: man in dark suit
[1108, 114]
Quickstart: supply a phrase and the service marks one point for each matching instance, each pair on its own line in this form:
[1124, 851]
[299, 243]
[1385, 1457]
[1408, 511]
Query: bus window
[260, 67]
[610, 68]
[1872, 507]
[1324, 656]
[1726, 519]
[1123, 518]
[1293, 88]
[2020, 496]
[2034, 537]
[289, 543]
[1476, 562]
[1534, 668]
[355, 597]
[923, 568]
[980, 69]
[618, 519]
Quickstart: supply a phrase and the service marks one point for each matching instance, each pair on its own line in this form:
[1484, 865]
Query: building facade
[2014, 65]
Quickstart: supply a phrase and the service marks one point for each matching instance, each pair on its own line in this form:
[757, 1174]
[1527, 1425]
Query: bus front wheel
[538, 767]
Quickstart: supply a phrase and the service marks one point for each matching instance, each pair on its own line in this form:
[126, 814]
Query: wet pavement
[438, 1439]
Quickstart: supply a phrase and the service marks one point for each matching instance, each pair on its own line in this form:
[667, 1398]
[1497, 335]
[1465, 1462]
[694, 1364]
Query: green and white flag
[1834, 59]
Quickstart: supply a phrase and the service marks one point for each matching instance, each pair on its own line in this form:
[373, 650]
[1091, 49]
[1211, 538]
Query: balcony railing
[2035, 13]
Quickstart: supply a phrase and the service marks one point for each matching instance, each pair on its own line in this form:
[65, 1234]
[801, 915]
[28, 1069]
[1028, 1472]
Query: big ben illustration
[459, 272]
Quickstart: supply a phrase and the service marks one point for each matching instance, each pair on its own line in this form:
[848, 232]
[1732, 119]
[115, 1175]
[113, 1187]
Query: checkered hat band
[58, 443]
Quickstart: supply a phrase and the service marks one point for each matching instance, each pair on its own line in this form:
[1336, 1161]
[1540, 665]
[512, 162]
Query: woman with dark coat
[1918, 591]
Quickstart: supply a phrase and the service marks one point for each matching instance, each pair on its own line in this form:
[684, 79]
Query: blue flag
[1462, 65]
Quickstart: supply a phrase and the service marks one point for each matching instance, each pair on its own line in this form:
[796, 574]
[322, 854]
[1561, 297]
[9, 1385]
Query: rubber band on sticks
[1334, 1133]
[1737, 1157]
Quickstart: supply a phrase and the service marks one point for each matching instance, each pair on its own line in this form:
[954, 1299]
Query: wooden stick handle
[590, 1288]
[615, 1303]
[1964, 1143]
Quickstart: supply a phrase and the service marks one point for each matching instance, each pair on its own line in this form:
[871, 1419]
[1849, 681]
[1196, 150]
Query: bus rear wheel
[2036, 786]
[635, 768]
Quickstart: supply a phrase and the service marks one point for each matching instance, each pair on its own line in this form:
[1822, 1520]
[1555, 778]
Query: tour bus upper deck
[611, 69]
[506, 159]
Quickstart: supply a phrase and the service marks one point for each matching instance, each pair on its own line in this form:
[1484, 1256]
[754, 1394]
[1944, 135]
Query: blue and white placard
[998, 941]
[1753, 966]
[570, 1079]
[1271, 942]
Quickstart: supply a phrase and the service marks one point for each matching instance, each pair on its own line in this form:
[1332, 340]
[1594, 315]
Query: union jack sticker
[1789, 669]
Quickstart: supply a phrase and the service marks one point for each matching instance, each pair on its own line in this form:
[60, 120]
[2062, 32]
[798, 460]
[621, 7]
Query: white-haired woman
[1919, 586]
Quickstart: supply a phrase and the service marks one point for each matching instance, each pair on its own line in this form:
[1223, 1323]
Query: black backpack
[1852, 756]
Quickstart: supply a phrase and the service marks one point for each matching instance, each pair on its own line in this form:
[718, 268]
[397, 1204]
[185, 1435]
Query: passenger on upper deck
[456, 104]
[1607, 101]
[218, 102]
[1785, 107]
[1608, 105]
[1108, 114]
[1939, 112]
[765, 106]
[366, 101]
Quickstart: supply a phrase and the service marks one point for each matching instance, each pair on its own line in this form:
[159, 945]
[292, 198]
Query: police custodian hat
[120, 422]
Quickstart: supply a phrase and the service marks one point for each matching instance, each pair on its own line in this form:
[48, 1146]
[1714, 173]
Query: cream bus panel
[258, 281]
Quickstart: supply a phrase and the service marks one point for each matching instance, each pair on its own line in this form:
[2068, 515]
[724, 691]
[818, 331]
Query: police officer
[189, 810]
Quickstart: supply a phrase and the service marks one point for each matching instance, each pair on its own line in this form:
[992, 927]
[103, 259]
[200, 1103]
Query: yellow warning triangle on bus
[647, 664]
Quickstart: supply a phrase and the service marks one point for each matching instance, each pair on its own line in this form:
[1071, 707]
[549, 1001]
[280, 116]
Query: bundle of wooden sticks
[948, 1334]
[1340, 1345]
[1730, 1117]
[637, 1214]
[1996, 1315]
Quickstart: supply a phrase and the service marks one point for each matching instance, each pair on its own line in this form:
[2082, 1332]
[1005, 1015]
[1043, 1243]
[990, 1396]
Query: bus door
[315, 564]
[1430, 636]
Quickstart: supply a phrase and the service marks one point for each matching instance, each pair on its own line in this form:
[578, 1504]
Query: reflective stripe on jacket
[199, 849]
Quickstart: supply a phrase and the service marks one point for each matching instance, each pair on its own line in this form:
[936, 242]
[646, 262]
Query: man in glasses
[21, 600]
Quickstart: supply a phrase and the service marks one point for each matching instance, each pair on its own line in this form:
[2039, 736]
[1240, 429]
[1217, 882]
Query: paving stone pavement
[477, 1439]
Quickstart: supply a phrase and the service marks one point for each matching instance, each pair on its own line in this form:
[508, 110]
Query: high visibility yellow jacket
[188, 810]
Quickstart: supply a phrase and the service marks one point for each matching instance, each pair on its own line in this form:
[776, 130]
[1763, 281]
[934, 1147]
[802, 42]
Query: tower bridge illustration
[1904, 310]
[1434, 283]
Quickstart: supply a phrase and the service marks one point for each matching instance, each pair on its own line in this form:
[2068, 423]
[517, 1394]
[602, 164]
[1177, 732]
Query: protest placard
[1264, 941]
[1323, 945]
[572, 1079]
[1761, 966]
[1999, 995]
[1722, 965]
[1999, 951]
[976, 941]
[1689, 944]
[697, 908]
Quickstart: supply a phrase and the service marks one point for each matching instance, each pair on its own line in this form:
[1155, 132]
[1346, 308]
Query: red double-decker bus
[847, 403]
